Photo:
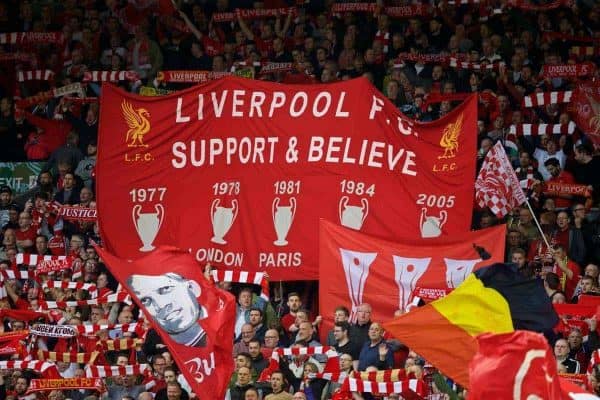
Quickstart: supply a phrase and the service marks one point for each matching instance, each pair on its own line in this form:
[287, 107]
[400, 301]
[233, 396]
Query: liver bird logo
[449, 140]
[137, 121]
[594, 122]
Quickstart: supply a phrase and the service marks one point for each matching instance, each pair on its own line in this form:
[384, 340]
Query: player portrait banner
[191, 315]
[239, 171]
[365, 269]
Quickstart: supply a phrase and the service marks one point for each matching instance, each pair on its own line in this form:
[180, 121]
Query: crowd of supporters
[419, 61]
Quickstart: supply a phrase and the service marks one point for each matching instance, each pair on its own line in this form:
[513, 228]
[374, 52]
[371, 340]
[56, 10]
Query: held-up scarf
[35, 75]
[568, 70]
[42, 385]
[43, 97]
[31, 37]
[107, 371]
[253, 14]
[256, 278]
[544, 98]
[110, 76]
[189, 76]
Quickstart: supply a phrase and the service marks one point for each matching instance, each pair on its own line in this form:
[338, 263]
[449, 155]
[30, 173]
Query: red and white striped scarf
[91, 288]
[255, 278]
[93, 329]
[107, 371]
[544, 98]
[45, 368]
[111, 298]
[34, 259]
[408, 387]
[9, 274]
[456, 63]
[331, 367]
[542, 129]
[384, 38]
[110, 76]
[35, 75]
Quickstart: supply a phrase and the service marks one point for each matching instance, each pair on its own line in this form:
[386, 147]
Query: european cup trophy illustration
[407, 272]
[353, 216]
[147, 225]
[222, 218]
[356, 268]
[283, 216]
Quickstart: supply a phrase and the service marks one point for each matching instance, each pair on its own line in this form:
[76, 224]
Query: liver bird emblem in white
[449, 140]
[137, 121]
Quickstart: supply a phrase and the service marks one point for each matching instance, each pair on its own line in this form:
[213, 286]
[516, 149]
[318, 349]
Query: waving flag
[192, 316]
[497, 186]
[494, 299]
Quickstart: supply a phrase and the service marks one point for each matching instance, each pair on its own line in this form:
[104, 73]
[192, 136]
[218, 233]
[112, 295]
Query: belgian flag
[494, 299]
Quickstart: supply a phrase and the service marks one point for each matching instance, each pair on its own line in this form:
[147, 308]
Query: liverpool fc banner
[239, 171]
[388, 275]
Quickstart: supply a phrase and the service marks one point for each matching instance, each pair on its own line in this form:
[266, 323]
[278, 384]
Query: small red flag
[192, 316]
[527, 364]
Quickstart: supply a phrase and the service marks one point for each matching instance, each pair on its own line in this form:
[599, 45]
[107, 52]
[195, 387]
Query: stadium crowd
[420, 61]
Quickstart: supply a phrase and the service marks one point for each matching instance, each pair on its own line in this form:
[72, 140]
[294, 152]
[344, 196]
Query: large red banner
[240, 171]
[365, 269]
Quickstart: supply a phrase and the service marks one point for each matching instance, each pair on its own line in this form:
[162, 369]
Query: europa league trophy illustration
[222, 218]
[356, 268]
[283, 216]
[458, 270]
[408, 272]
[147, 225]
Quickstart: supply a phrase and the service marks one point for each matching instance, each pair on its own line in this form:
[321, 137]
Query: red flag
[193, 317]
[527, 364]
[497, 186]
[587, 109]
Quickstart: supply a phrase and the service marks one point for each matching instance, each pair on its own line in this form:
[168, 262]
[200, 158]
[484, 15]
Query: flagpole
[537, 223]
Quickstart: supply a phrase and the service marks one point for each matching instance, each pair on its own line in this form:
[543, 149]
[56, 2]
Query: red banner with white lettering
[240, 171]
[192, 316]
[365, 269]
[586, 97]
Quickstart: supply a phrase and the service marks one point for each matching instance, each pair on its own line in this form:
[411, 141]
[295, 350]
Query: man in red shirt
[26, 233]
[568, 271]
[288, 321]
[558, 176]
